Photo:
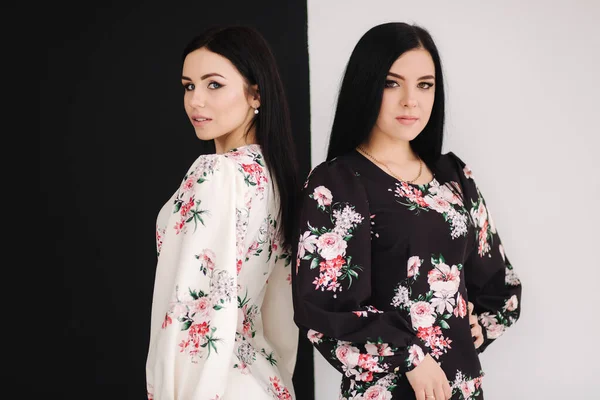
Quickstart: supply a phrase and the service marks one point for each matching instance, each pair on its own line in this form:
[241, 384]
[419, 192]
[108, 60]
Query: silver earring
[256, 111]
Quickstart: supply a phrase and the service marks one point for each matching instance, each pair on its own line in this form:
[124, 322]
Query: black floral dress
[385, 269]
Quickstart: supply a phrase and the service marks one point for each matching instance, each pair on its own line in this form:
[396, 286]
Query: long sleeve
[332, 281]
[194, 310]
[492, 284]
[278, 320]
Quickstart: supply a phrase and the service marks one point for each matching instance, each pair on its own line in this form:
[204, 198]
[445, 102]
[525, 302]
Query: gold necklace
[362, 150]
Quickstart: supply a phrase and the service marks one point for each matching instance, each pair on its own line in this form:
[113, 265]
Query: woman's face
[216, 99]
[407, 97]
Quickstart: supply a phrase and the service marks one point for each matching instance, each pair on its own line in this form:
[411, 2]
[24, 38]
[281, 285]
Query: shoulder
[335, 182]
[453, 166]
[338, 172]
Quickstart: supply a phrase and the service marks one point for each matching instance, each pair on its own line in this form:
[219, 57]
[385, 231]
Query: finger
[447, 390]
[420, 394]
[439, 393]
[470, 306]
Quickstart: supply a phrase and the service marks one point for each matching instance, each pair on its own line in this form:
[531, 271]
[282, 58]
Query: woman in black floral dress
[396, 242]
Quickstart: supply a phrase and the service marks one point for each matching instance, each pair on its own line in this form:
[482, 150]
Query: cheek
[228, 101]
[427, 103]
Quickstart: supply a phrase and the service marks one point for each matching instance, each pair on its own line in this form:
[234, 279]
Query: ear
[253, 96]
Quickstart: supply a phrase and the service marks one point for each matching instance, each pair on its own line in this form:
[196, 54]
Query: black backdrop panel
[114, 144]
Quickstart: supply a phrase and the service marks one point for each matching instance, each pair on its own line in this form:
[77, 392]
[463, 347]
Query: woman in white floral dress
[222, 323]
[399, 283]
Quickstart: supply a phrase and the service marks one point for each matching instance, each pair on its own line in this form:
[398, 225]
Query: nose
[198, 99]
[408, 100]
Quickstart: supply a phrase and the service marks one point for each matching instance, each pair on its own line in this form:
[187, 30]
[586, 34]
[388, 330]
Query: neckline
[242, 148]
[398, 181]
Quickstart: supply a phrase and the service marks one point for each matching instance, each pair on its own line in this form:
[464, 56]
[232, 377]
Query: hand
[429, 381]
[476, 330]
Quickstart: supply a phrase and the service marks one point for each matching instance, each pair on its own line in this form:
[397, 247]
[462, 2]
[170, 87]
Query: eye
[391, 84]
[214, 85]
[188, 87]
[425, 85]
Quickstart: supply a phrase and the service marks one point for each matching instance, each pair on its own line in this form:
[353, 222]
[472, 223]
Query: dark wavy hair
[250, 53]
[361, 91]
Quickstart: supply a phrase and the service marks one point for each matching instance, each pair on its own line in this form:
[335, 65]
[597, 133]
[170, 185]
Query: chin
[203, 136]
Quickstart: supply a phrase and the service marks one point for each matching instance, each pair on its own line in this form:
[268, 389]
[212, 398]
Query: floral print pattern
[326, 248]
[376, 298]
[223, 252]
[444, 199]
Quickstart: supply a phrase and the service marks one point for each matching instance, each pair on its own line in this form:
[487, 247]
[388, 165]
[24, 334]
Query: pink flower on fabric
[413, 265]
[415, 355]
[422, 314]
[331, 245]
[323, 196]
[377, 392]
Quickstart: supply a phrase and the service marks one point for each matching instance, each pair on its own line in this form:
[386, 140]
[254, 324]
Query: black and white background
[522, 101]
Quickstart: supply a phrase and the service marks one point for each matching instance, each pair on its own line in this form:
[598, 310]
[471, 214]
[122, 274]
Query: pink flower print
[446, 193]
[280, 390]
[413, 194]
[467, 388]
[201, 329]
[187, 207]
[494, 331]
[189, 183]
[413, 265]
[307, 242]
[444, 278]
[366, 376]
[256, 172]
[437, 203]
[207, 259]
[369, 363]
[512, 304]
[348, 355]
[238, 266]
[467, 171]
[461, 307]
[329, 272]
[434, 339]
[202, 307]
[415, 355]
[377, 392]
[323, 196]
[179, 226]
[331, 245]
[314, 336]
[479, 214]
[422, 314]
[379, 349]
[483, 246]
[167, 321]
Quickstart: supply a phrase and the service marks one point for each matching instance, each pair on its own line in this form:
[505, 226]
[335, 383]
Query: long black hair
[361, 92]
[250, 53]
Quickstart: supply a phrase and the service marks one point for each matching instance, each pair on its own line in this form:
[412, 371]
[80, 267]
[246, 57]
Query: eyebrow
[401, 77]
[203, 77]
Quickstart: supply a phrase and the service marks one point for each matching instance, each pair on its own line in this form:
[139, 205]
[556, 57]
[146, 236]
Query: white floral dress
[222, 321]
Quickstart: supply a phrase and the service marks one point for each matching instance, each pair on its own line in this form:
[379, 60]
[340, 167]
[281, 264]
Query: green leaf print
[314, 263]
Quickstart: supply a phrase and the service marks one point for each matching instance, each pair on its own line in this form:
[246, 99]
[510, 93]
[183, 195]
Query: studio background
[115, 143]
[522, 95]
